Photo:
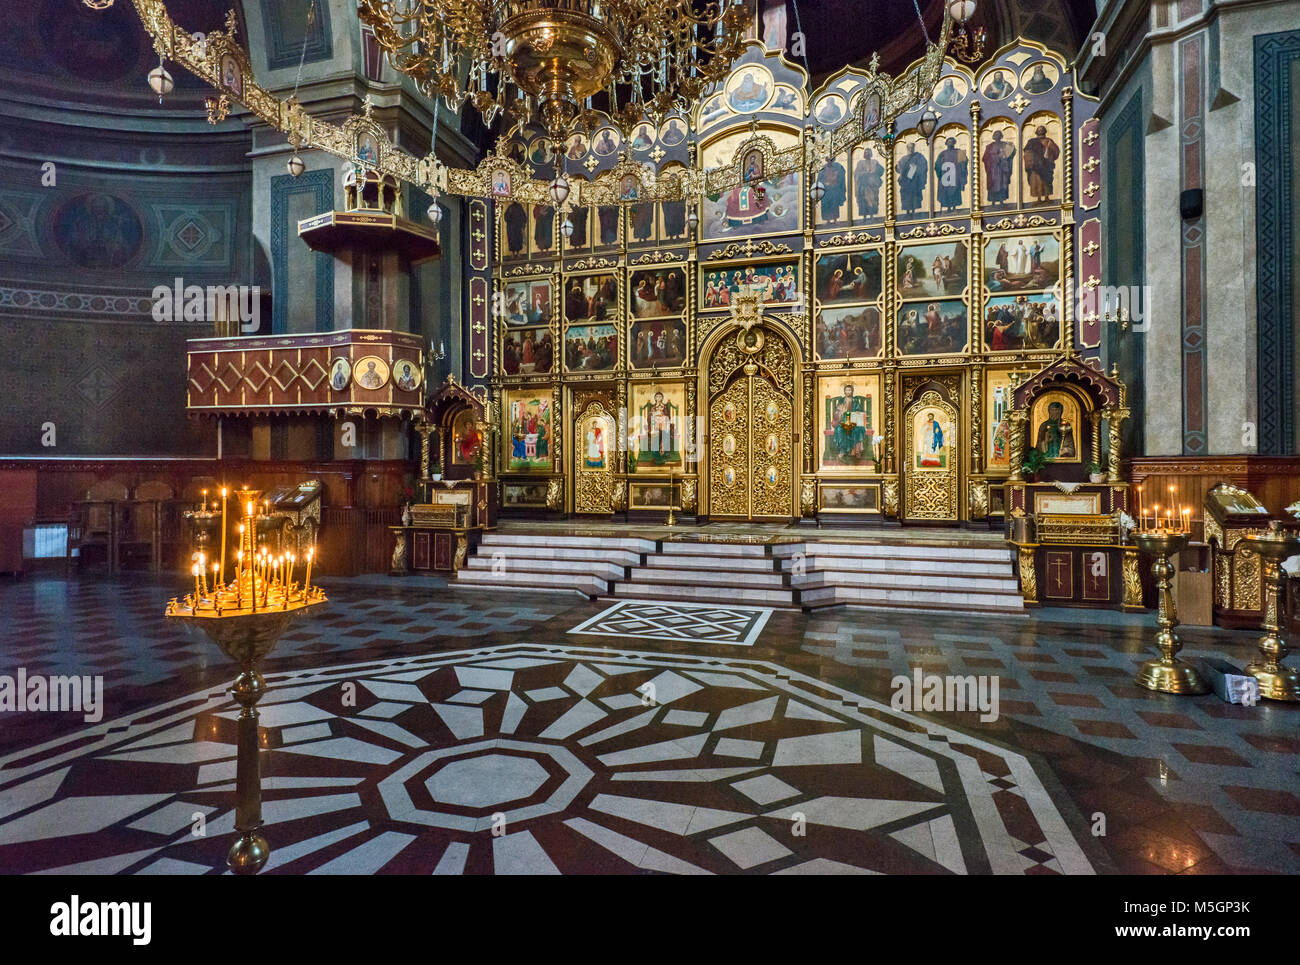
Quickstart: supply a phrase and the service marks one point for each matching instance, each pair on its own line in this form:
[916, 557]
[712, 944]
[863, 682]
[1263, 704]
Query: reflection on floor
[661, 748]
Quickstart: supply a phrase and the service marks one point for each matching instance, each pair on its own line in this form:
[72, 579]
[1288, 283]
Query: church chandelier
[704, 41]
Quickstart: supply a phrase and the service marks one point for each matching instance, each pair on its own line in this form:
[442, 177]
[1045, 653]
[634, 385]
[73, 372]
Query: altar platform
[769, 565]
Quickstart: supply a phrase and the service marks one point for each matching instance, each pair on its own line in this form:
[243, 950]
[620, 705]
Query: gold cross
[1091, 138]
[1020, 103]
[1091, 248]
[591, 164]
[1092, 164]
[658, 154]
[1091, 189]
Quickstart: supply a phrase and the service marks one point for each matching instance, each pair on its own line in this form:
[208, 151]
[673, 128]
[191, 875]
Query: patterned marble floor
[633, 744]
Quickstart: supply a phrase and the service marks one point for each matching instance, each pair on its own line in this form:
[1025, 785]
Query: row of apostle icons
[1019, 166]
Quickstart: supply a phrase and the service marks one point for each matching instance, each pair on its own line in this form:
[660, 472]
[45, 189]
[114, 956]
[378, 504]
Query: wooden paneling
[1275, 480]
[359, 499]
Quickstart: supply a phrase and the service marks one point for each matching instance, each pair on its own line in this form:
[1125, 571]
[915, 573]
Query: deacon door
[593, 453]
[931, 475]
[751, 426]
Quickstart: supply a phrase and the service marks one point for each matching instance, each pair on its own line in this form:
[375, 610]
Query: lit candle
[222, 559]
[203, 565]
[289, 582]
[216, 570]
[1155, 518]
[1138, 507]
[307, 580]
[239, 573]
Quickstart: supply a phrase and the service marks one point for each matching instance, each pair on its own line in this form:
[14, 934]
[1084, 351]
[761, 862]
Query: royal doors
[931, 474]
[751, 410]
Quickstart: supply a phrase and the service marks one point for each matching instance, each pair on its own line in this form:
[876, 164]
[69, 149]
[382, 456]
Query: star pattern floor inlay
[526, 782]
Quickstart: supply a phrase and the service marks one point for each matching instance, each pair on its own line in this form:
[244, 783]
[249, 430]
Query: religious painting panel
[868, 183]
[656, 427]
[1022, 322]
[514, 230]
[340, 374]
[370, 372]
[658, 292]
[524, 495]
[950, 92]
[594, 433]
[657, 343]
[1022, 262]
[590, 348]
[465, 438]
[934, 438]
[1039, 77]
[643, 137]
[833, 209]
[672, 221]
[642, 223]
[777, 280]
[759, 205]
[576, 146]
[998, 155]
[997, 409]
[749, 89]
[789, 101]
[541, 151]
[605, 227]
[912, 170]
[1055, 426]
[407, 375]
[712, 110]
[848, 422]
[1040, 156]
[998, 84]
[672, 132]
[232, 77]
[542, 220]
[848, 277]
[849, 333]
[527, 439]
[831, 110]
[590, 298]
[526, 302]
[527, 351]
[932, 328]
[606, 142]
[932, 271]
[657, 496]
[951, 169]
[580, 240]
[849, 499]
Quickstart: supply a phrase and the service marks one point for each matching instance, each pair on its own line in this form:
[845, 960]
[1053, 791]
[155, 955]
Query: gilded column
[1016, 441]
[976, 417]
[976, 187]
[1115, 417]
[1067, 224]
[1095, 418]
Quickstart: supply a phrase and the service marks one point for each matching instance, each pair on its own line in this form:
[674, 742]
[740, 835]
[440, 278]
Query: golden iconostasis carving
[949, 255]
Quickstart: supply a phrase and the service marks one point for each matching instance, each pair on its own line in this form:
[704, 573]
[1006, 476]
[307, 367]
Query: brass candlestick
[1168, 674]
[672, 499]
[1276, 680]
[245, 617]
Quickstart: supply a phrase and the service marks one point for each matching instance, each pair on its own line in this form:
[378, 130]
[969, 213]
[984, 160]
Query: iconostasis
[897, 304]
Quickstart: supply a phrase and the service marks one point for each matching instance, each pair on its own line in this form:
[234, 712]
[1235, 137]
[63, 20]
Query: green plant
[1033, 462]
[1093, 468]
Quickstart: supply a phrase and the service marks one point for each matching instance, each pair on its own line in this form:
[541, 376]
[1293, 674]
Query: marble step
[961, 568]
[553, 582]
[911, 599]
[719, 578]
[942, 582]
[680, 561]
[750, 550]
[632, 544]
[910, 551]
[577, 555]
[595, 568]
[705, 594]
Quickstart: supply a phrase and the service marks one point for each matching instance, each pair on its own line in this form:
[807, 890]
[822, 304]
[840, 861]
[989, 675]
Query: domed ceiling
[59, 50]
